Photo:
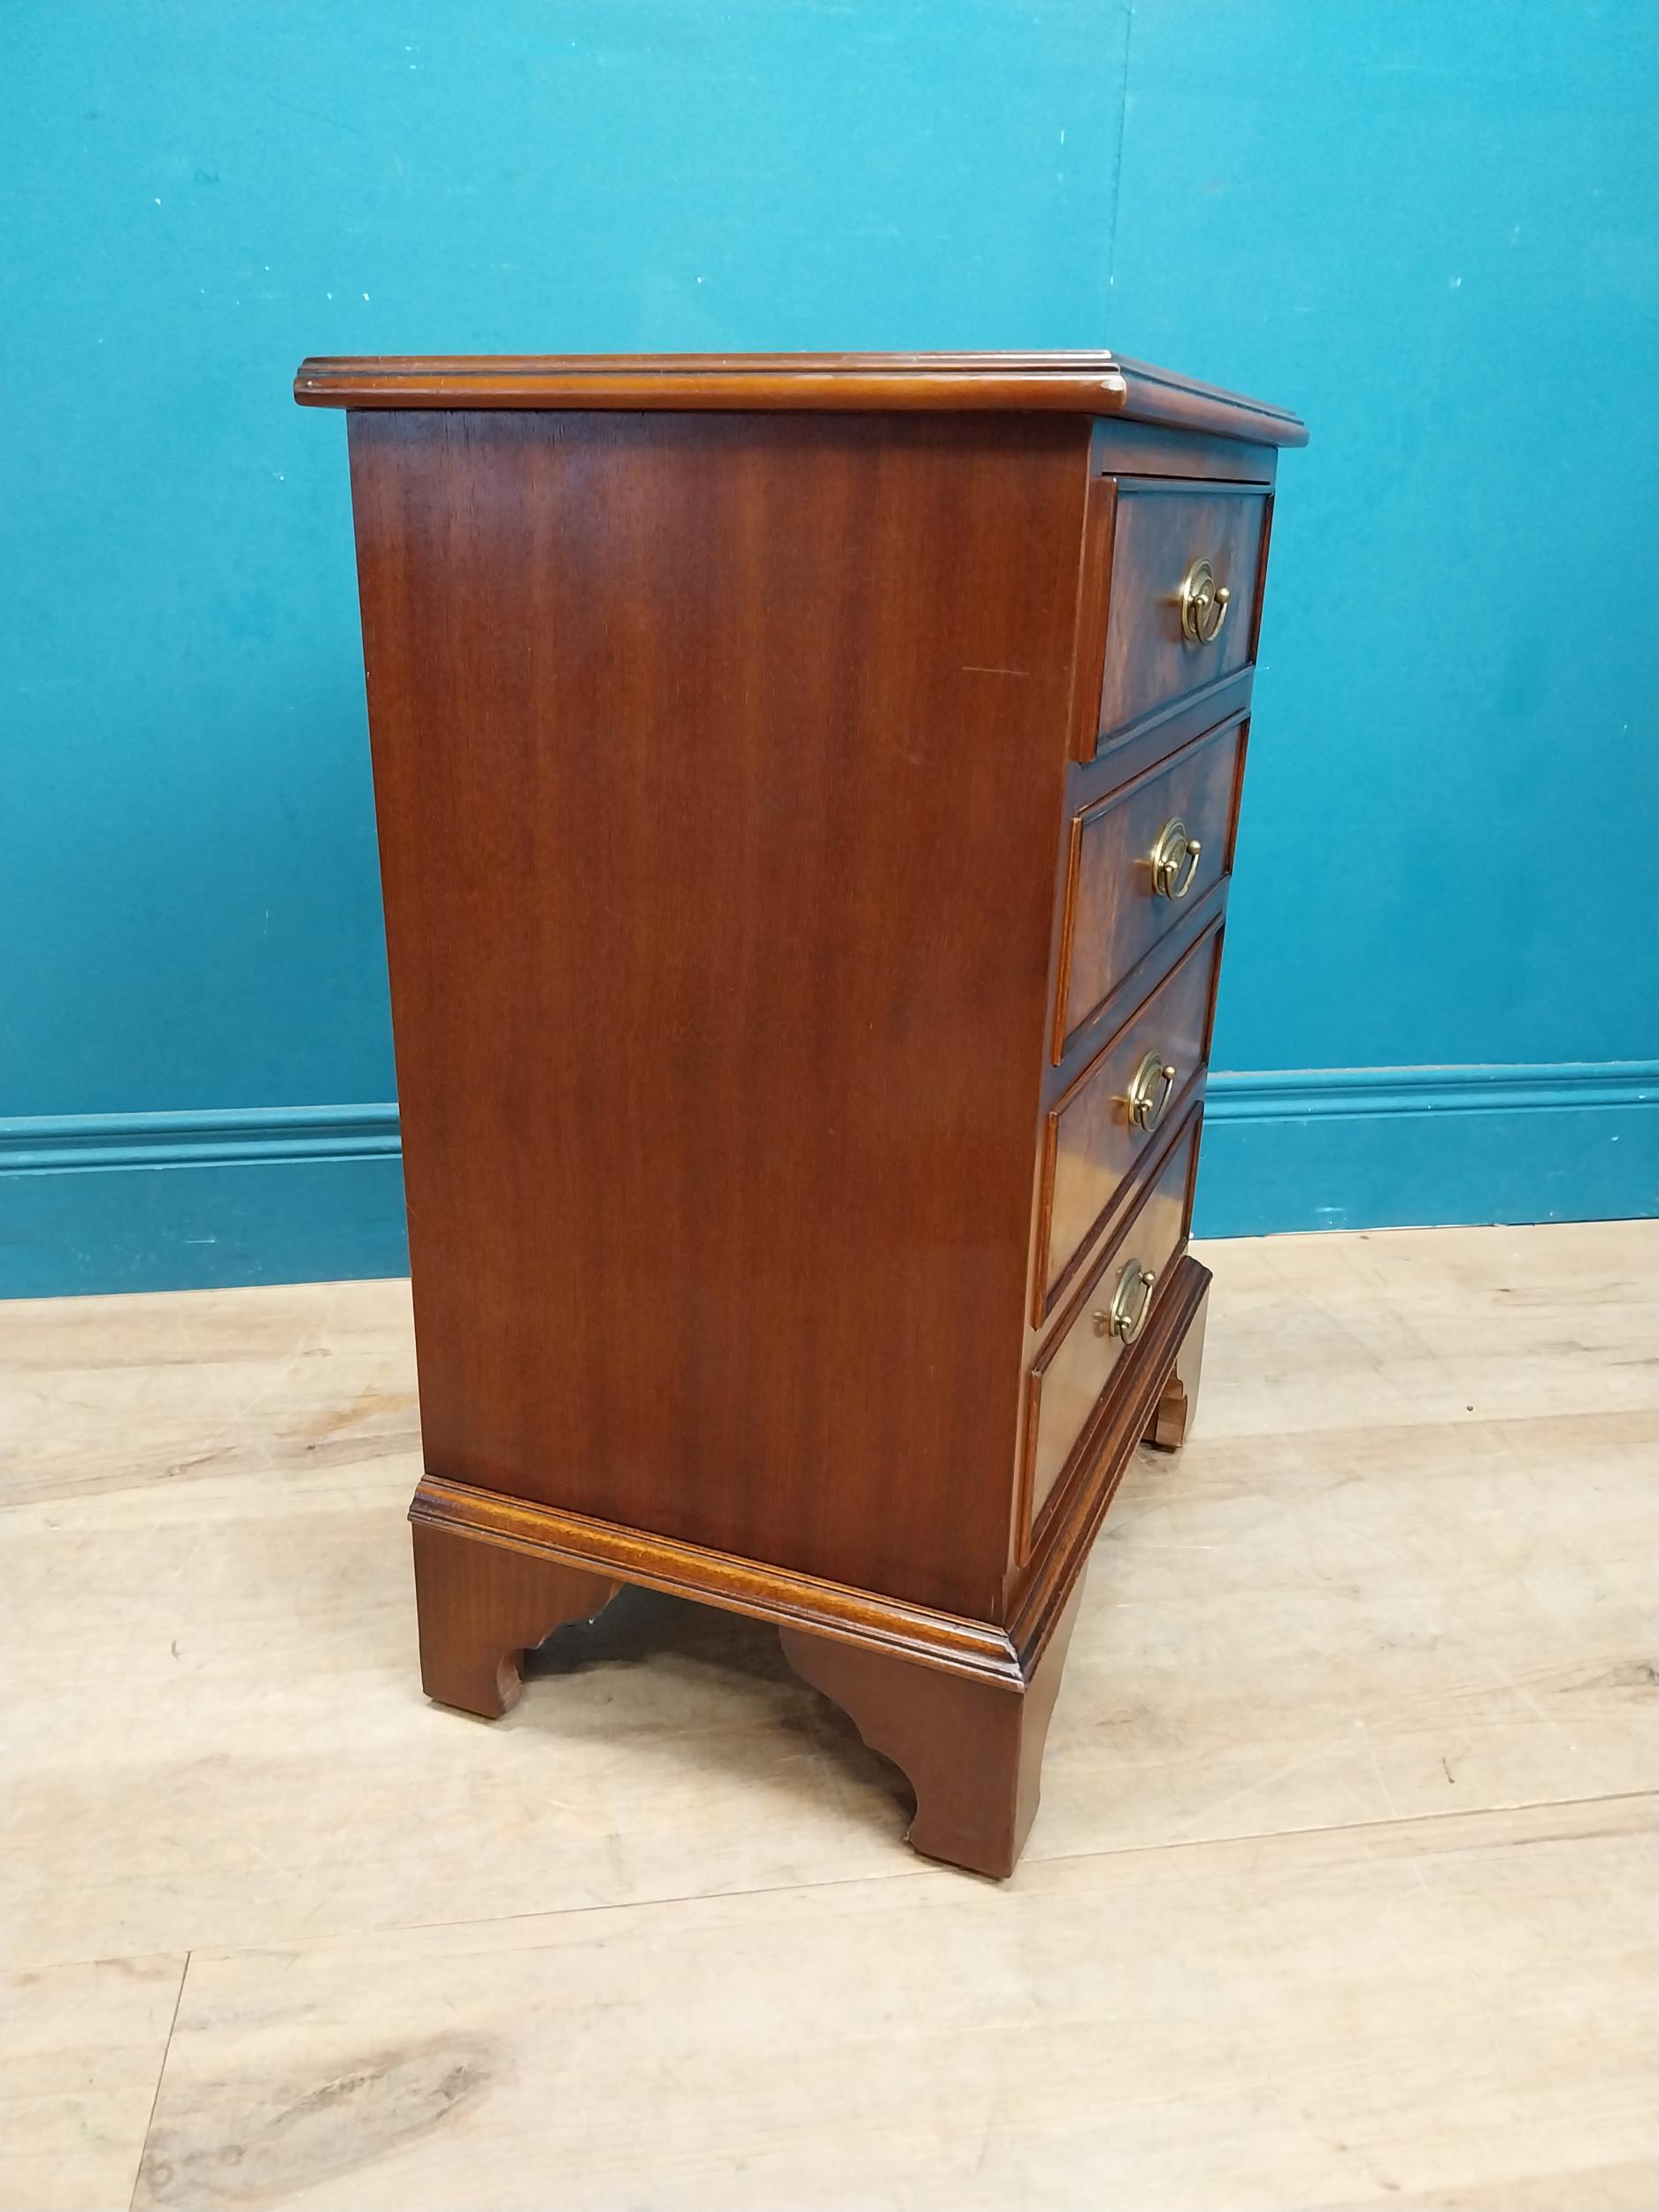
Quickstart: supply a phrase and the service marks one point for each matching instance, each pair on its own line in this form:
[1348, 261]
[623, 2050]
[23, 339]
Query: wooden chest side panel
[719, 768]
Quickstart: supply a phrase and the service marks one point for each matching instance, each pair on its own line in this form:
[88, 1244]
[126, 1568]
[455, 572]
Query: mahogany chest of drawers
[807, 790]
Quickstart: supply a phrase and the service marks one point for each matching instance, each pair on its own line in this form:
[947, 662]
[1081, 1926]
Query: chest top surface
[1080, 383]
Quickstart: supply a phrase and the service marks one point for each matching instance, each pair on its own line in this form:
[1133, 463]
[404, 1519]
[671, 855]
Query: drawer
[1074, 1371]
[1175, 551]
[1140, 860]
[1113, 1113]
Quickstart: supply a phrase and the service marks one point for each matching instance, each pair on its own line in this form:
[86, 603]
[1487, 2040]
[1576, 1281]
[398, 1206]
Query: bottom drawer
[1074, 1371]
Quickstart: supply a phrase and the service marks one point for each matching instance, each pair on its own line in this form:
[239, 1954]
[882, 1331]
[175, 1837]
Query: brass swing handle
[1150, 1090]
[1173, 860]
[1203, 603]
[1132, 1302]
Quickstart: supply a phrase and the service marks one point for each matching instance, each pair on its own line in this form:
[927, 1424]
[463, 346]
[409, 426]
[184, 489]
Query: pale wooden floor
[1340, 1896]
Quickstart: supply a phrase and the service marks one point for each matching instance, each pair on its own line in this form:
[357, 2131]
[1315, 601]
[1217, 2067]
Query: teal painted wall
[1430, 225]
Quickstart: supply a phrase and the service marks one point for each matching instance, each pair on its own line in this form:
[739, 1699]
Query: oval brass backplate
[1150, 1090]
[1132, 1302]
[1173, 860]
[1203, 603]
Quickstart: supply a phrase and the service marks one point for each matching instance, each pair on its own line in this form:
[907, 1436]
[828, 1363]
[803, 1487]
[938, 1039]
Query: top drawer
[1184, 569]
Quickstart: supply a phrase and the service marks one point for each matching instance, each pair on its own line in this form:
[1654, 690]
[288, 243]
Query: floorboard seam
[154, 2103]
[916, 1872]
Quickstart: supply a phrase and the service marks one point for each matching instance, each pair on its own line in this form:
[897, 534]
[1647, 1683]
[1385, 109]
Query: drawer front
[1174, 552]
[1068, 1381]
[1140, 860]
[1116, 1110]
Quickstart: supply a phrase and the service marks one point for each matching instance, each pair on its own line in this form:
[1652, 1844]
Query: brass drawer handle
[1203, 603]
[1150, 1090]
[1132, 1302]
[1173, 860]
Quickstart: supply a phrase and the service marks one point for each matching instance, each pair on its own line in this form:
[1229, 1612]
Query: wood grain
[1171, 1424]
[568, 1541]
[1347, 1807]
[1161, 530]
[770, 712]
[1051, 1554]
[482, 1605]
[1449, 2012]
[1082, 1356]
[1086, 383]
[1121, 448]
[1090, 1144]
[1114, 917]
[1109, 763]
[1355, 1541]
[82, 2047]
[971, 1751]
[731, 716]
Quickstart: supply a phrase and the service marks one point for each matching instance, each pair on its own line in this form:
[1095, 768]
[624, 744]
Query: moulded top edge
[1086, 383]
